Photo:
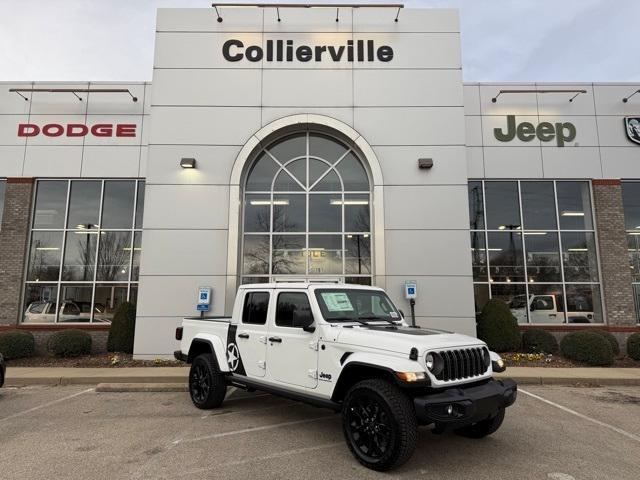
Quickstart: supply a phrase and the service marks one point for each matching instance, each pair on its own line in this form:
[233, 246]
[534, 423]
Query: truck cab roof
[304, 286]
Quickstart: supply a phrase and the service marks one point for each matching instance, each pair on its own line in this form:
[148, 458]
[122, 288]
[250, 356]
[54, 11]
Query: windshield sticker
[337, 302]
[393, 314]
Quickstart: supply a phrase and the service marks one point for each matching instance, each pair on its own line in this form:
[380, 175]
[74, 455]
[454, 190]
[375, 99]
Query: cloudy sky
[502, 40]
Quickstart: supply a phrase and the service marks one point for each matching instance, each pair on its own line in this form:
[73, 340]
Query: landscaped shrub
[615, 346]
[17, 344]
[539, 341]
[633, 346]
[122, 329]
[587, 347]
[498, 327]
[69, 343]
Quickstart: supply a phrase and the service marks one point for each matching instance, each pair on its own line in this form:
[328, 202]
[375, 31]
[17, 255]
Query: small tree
[123, 327]
[498, 327]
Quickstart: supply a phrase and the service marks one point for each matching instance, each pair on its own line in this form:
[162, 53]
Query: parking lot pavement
[75, 433]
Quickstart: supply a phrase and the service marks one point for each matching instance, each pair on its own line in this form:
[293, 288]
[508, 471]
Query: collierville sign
[545, 131]
[77, 130]
[285, 51]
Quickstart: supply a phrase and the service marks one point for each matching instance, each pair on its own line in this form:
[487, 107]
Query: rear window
[255, 308]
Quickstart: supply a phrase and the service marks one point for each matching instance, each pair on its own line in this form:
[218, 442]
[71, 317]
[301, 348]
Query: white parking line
[584, 417]
[249, 430]
[46, 405]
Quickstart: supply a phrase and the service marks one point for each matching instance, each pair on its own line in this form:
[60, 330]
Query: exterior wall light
[425, 163]
[188, 163]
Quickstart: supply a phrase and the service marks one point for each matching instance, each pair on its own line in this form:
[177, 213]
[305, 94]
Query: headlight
[434, 362]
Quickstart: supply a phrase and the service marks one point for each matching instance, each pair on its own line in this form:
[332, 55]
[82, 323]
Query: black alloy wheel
[207, 386]
[379, 424]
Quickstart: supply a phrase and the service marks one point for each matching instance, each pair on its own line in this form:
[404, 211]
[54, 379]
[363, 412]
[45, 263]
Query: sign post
[411, 293]
[204, 300]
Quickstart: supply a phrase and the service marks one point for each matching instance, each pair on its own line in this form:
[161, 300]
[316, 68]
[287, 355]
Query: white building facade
[328, 145]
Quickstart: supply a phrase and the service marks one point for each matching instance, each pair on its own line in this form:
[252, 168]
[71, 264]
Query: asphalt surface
[75, 433]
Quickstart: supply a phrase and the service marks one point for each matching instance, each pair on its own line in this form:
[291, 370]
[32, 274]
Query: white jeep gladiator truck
[348, 348]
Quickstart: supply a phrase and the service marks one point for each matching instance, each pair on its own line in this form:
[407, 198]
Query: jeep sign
[545, 131]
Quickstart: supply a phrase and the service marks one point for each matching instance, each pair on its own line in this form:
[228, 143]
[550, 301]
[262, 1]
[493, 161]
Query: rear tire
[379, 424]
[483, 428]
[207, 386]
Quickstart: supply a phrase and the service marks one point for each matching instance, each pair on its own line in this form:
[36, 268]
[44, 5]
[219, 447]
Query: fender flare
[217, 348]
[383, 362]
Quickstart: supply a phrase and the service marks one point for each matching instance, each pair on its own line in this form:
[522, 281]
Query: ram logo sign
[632, 125]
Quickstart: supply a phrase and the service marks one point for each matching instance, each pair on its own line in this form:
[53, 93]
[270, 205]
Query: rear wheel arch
[200, 346]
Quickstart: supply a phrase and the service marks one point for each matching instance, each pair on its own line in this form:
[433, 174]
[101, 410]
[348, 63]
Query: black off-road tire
[207, 386]
[483, 428]
[397, 430]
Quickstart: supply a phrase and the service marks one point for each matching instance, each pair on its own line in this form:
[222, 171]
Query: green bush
[539, 341]
[123, 327]
[17, 344]
[587, 347]
[615, 346]
[69, 343]
[498, 327]
[633, 346]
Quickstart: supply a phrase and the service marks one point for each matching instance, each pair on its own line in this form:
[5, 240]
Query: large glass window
[631, 205]
[307, 213]
[84, 253]
[538, 250]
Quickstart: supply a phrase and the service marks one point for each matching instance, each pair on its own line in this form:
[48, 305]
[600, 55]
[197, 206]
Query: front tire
[207, 386]
[483, 428]
[379, 424]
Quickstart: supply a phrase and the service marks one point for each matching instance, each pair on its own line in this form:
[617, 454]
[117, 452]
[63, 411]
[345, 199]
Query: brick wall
[614, 255]
[14, 232]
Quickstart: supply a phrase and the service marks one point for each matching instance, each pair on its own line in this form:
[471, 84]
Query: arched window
[306, 213]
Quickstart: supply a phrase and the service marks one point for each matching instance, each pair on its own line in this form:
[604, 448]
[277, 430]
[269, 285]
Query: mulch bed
[105, 360]
[516, 359]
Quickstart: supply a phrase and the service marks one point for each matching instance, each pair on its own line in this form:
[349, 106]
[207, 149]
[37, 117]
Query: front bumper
[459, 406]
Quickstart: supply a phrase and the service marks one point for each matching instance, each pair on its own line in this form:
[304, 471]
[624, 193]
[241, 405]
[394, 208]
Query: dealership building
[323, 144]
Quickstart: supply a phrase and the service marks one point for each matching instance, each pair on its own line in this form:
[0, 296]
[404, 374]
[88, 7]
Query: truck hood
[403, 339]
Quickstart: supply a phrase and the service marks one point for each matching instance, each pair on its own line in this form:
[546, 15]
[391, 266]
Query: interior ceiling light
[569, 213]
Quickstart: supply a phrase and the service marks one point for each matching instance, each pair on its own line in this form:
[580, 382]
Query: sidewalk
[20, 376]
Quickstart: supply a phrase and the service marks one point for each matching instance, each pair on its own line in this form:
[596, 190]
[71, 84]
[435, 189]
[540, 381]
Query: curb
[62, 381]
[142, 387]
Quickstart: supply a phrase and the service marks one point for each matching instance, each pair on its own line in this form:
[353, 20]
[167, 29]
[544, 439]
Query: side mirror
[401, 313]
[306, 323]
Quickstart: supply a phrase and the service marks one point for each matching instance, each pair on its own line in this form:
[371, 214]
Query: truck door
[247, 343]
[292, 355]
[543, 309]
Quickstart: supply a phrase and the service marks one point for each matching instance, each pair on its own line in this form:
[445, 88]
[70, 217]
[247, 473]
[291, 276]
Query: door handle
[275, 339]
[243, 335]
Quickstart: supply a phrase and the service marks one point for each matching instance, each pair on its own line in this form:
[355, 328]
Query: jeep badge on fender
[347, 348]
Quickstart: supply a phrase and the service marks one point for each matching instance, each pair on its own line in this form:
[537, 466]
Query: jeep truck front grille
[462, 363]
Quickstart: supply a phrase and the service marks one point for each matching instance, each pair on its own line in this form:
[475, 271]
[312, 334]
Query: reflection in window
[81, 273]
[307, 212]
[540, 252]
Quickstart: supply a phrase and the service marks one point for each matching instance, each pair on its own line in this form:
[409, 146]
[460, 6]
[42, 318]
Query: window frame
[249, 295]
[131, 283]
[522, 233]
[635, 234]
[307, 192]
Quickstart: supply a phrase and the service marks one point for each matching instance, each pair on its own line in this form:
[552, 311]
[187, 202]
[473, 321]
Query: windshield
[344, 305]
